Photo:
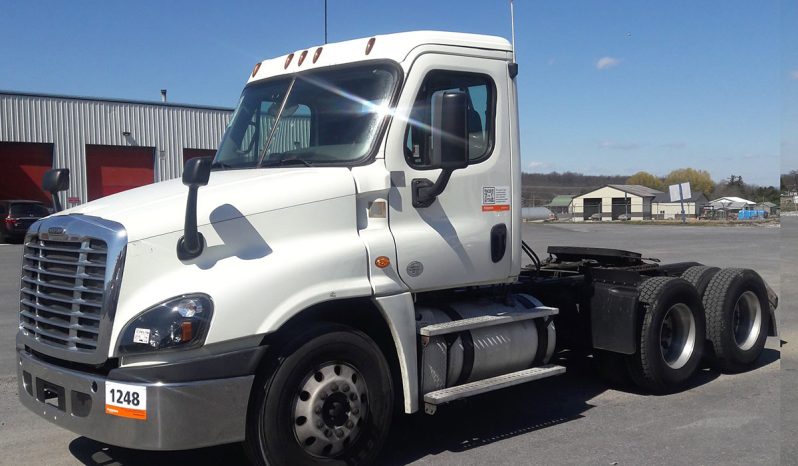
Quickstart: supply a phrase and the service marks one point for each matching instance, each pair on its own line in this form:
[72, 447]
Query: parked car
[624, 217]
[596, 217]
[17, 216]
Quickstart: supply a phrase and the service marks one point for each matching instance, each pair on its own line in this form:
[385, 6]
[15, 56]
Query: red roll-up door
[113, 169]
[22, 165]
[189, 154]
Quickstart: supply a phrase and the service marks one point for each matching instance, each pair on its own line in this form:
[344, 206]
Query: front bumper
[179, 415]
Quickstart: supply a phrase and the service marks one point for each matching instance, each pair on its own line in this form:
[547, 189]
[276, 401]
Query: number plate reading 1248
[125, 400]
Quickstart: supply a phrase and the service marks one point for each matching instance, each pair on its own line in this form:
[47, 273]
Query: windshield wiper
[280, 163]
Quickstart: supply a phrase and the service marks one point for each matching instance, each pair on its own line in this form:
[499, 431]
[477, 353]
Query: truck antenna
[512, 27]
[325, 22]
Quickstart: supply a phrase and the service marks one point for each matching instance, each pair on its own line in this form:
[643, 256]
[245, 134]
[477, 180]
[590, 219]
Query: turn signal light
[382, 262]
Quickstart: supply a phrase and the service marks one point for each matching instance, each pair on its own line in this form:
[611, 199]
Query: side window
[481, 93]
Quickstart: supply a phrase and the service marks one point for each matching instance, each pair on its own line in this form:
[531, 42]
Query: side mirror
[55, 181]
[449, 130]
[196, 173]
[449, 144]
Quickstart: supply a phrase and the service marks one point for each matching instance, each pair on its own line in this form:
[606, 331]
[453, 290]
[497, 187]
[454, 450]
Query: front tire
[738, 318]
[671, 338]
[329, 401]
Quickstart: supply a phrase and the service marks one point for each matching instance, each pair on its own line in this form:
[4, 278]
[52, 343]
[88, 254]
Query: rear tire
[671, 338]
[329, 401]
[699, 276]
[738, 318]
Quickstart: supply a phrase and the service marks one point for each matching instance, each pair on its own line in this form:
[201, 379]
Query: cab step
[433, 399]
[485, 321]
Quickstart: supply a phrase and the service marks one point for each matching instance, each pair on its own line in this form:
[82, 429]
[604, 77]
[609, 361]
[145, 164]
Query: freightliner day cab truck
[352, 251]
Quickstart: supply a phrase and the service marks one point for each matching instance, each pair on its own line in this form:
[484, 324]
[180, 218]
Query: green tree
[646, 179]
[700, 180]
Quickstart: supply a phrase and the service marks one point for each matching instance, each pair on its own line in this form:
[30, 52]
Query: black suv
[17, 216]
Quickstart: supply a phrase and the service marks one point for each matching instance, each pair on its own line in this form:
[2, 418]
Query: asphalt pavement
[576, 418]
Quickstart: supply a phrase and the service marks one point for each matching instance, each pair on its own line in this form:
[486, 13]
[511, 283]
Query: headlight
[178, 323]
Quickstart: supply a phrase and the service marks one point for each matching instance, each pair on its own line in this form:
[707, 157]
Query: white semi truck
[352, 251]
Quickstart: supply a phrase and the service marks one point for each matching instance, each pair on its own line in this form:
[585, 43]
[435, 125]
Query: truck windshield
[328, 116]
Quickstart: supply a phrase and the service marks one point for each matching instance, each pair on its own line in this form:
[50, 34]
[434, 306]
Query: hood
[161, 207]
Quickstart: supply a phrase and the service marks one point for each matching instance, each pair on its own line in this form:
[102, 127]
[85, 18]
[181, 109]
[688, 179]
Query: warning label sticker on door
[495, 198]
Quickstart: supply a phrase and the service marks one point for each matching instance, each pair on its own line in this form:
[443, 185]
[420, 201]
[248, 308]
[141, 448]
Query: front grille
[62, 292]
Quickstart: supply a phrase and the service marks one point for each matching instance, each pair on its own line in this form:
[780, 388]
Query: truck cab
[353, 246]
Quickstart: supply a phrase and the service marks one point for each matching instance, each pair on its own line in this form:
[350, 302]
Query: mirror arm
[195, 174]
[425, 191]
[56, 202]
[190, 245]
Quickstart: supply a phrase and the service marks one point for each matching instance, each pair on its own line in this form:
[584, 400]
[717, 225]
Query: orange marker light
[255, 70]
[186, 330]
[288, 60]
[317, 54]
[370, 45]
[302, 57]
[382, 262]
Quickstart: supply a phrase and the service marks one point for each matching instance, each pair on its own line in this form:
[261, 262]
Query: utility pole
[325, 21]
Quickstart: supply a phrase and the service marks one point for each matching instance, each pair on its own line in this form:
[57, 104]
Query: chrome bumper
[179, 415]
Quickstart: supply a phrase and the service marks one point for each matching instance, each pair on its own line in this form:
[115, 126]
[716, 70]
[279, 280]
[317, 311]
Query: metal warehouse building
[108, 145]
[610, 201]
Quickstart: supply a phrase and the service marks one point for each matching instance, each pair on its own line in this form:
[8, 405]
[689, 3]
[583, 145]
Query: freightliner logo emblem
[56, 230]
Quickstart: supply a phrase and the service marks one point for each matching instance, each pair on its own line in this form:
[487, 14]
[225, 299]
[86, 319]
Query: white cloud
[605, 63]
[615, 145]
[794, 75]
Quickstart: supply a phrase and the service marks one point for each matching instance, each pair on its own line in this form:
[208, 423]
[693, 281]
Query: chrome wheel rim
[329, 409]
[677, 336]
[746, 320]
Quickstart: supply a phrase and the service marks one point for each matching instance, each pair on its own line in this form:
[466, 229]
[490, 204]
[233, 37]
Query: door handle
[498, 242]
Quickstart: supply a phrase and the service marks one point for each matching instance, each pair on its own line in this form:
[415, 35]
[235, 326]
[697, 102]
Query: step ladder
[433, 335]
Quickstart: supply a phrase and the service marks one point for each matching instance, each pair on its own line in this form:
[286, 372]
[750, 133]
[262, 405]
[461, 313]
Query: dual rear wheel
[722, 315]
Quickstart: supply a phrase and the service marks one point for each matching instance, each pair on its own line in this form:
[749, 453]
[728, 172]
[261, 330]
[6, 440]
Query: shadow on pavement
[457, 427]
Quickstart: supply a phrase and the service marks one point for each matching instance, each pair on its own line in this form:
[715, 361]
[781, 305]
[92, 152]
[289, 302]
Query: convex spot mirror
[56, 180]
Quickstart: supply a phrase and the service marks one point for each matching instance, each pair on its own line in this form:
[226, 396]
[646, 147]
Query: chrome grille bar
[71, 273]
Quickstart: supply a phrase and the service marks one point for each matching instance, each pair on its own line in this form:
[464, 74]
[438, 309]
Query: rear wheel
[671, 337]
[328, 402]
[738, 318]
[699, 276]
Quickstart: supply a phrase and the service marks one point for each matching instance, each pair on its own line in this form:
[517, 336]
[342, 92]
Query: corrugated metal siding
[70, 124]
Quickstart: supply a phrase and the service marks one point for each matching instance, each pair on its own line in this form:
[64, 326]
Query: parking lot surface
[572, 419]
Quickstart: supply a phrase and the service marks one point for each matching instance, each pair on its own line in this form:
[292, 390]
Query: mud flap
[614, 310]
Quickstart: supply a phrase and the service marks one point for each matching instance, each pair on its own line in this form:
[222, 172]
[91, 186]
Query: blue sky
[606, 87]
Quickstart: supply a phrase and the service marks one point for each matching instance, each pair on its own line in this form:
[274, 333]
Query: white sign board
[674, 191]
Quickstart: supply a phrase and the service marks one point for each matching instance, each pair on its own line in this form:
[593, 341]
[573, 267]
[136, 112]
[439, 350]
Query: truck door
[465, 236]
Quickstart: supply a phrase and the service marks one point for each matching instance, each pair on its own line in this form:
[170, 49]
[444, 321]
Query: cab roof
[394, 47]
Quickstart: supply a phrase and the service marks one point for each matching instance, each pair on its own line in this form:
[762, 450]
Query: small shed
[769, 208]
[561, 204]
[611, 201]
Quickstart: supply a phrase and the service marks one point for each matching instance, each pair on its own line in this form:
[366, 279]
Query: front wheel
[329, 401]
[671, 338]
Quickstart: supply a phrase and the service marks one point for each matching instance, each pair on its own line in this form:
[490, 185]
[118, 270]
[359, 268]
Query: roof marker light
[370, 45]
[302, 57]
[317, 54]
[255, 70]
[288, 60]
